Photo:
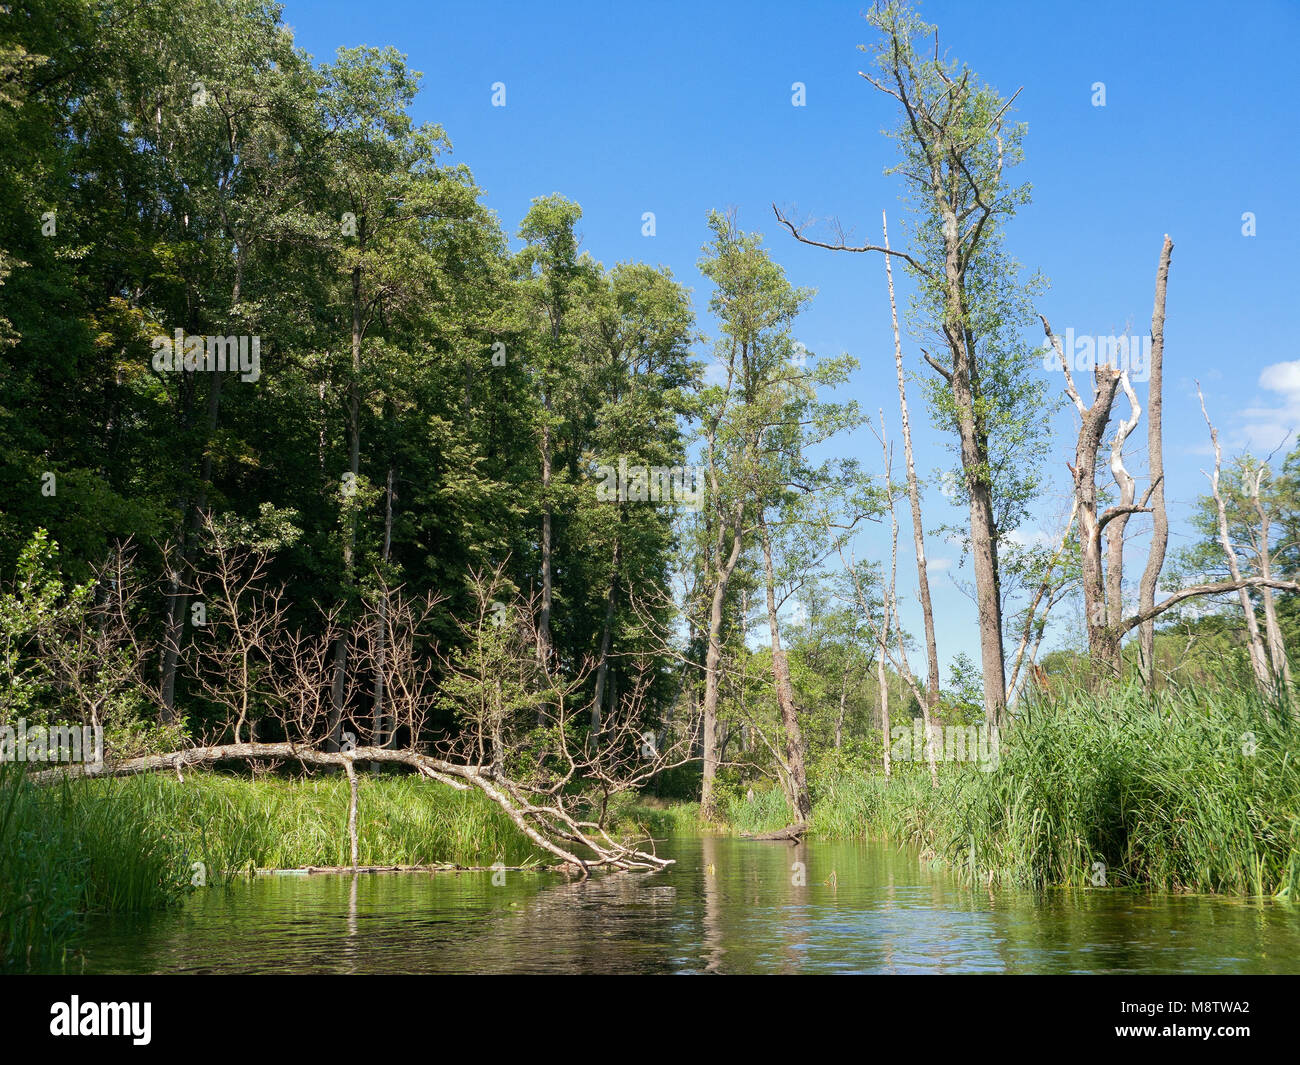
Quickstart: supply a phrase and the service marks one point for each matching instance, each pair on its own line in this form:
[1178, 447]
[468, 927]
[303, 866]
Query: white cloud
[1268, 425]
[1282, 377]
[938, 565]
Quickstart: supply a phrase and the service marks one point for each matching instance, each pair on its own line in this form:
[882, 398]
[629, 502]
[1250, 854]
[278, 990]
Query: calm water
[887, 912]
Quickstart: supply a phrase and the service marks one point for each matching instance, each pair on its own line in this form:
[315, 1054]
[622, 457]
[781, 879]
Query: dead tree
[1156, 463]
[241, 618]
[1270, 667]
[1047, 594]
[93, 649]
[1278, 659]
[561, 780]
[391, 647]
[1107, 624]
[913, 494]
[1103, 577]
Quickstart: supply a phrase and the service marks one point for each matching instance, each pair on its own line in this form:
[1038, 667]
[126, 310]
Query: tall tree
[755, 306]
[556, 275]
[956, 145]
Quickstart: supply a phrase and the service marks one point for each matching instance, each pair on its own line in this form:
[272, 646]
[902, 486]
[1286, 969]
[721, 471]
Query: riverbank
[142, 843]
[1192, 793]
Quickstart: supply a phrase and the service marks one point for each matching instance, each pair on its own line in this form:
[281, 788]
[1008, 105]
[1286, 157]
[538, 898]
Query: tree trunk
[174, 634]
[1127, 494]
[1258, 659]
[914, 496]
[378, 722]
[844, 694]
[544, 645]
[338, 685]
[884, 705]
[351, 771]
[1155, 455]
[544, 619]
[606, 636]
[797, 776]
[712, 660]
[1103, 644]
[974, 461]
[1276, 646]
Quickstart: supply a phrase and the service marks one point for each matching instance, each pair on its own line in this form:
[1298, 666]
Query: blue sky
[682, 107]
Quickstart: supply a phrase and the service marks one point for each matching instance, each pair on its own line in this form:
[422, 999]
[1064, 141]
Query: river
[727, 906]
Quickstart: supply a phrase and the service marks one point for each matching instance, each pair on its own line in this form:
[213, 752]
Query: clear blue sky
[678, 108]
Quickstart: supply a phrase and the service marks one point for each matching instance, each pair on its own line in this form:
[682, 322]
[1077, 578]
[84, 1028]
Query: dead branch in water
[543, 824]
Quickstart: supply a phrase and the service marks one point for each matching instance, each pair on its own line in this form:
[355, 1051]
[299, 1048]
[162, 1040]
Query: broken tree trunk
[1156, 461]
[914, 496]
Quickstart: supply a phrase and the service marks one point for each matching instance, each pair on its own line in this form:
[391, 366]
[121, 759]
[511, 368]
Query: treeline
[416, 402]
[327, 449]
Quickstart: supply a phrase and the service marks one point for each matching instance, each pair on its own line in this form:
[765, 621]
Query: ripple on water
[727, 906]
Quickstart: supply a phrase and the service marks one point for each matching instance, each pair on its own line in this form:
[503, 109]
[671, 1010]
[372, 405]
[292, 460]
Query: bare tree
[242, 615]
[94, 649]
[913, 493]
[1259, 661]
[392, 631]
[1049, 591]
[1278, 659]
[561, 779]
[1155, 458]
[1106, 621]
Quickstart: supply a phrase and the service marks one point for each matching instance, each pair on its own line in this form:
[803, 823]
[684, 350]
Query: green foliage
[130, 845]
[1163, 793]
[36, 604]
[70, 850]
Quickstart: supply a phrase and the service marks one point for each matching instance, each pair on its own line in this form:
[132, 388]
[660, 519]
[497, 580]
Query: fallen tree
[544, 823]
[561, 775]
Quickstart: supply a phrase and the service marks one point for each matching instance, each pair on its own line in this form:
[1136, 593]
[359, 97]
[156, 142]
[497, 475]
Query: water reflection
[727, 906]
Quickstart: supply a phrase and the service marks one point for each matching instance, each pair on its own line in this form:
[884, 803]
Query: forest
[351, 525]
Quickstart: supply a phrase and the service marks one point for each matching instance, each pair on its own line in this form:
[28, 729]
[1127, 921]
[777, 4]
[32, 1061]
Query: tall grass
[232, 824]
[1192, 791]
[136, 844]
[66, 851]
[766, 812]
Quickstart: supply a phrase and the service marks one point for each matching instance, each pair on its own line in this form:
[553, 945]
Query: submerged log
[789, 834]
[443, 867]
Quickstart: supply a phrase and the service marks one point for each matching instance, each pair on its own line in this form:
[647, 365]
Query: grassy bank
[1193, 792]
[129, 845]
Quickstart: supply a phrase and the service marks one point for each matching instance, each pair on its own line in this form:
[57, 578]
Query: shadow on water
[727, 906]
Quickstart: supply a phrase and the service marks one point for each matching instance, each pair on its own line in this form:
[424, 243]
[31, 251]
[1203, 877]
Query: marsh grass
[1192, 791]
[66, 851]
[139, 843]
[234, 825]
